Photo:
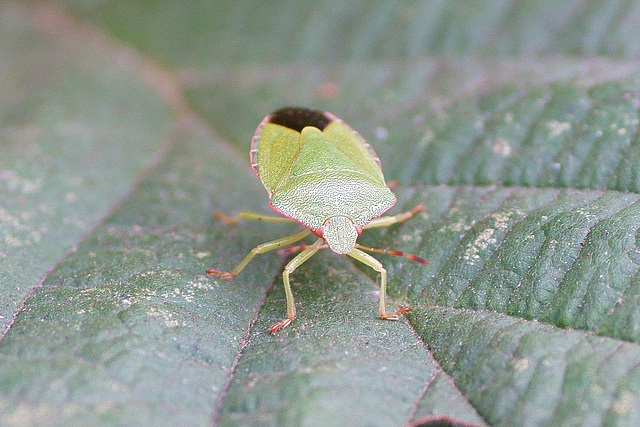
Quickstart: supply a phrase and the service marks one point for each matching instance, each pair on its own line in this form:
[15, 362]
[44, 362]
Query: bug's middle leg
[370, 261]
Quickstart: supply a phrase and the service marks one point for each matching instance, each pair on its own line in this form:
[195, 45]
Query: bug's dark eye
[297, 118]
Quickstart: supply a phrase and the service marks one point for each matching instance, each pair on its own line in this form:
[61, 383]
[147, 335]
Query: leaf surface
[125, 125]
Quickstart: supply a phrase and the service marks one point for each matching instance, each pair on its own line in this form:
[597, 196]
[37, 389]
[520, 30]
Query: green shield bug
[323, 174]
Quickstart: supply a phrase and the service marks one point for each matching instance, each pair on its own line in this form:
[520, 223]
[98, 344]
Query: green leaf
[63, 129]
[125, 125]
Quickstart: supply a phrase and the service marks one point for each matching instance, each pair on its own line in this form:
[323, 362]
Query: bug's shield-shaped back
[321, 174]
[312, 200]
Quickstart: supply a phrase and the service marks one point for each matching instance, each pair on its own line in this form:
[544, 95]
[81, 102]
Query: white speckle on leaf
[596, 389]
[455, 227]
[17, 184]
[481, 242]
[200, 285]
[625, 402]
[166, 316]
[501, 147]
[557, 128]
[501, 219]
[16, 232]
[520, 364]
[589, 216]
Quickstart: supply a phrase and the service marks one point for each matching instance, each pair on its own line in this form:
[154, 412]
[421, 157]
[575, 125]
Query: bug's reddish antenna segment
[410, 257]
[299, 248]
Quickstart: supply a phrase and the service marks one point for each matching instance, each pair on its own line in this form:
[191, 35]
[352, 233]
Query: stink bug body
[323, 174]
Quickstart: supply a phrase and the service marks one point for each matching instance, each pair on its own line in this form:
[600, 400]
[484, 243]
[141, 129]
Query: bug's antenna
[410, 257]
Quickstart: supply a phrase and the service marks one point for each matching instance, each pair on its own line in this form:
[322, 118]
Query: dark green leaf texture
[63, 129]
[124, 125]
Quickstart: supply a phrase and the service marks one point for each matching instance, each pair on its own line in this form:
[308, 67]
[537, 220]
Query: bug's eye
[320, 231]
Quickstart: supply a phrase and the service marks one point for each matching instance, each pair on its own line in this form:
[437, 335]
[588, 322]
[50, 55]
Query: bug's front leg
[367, 259]
[288, 269]
[260, 249]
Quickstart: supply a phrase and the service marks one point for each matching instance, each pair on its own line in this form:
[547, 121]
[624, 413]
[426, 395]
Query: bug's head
[340, 233]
